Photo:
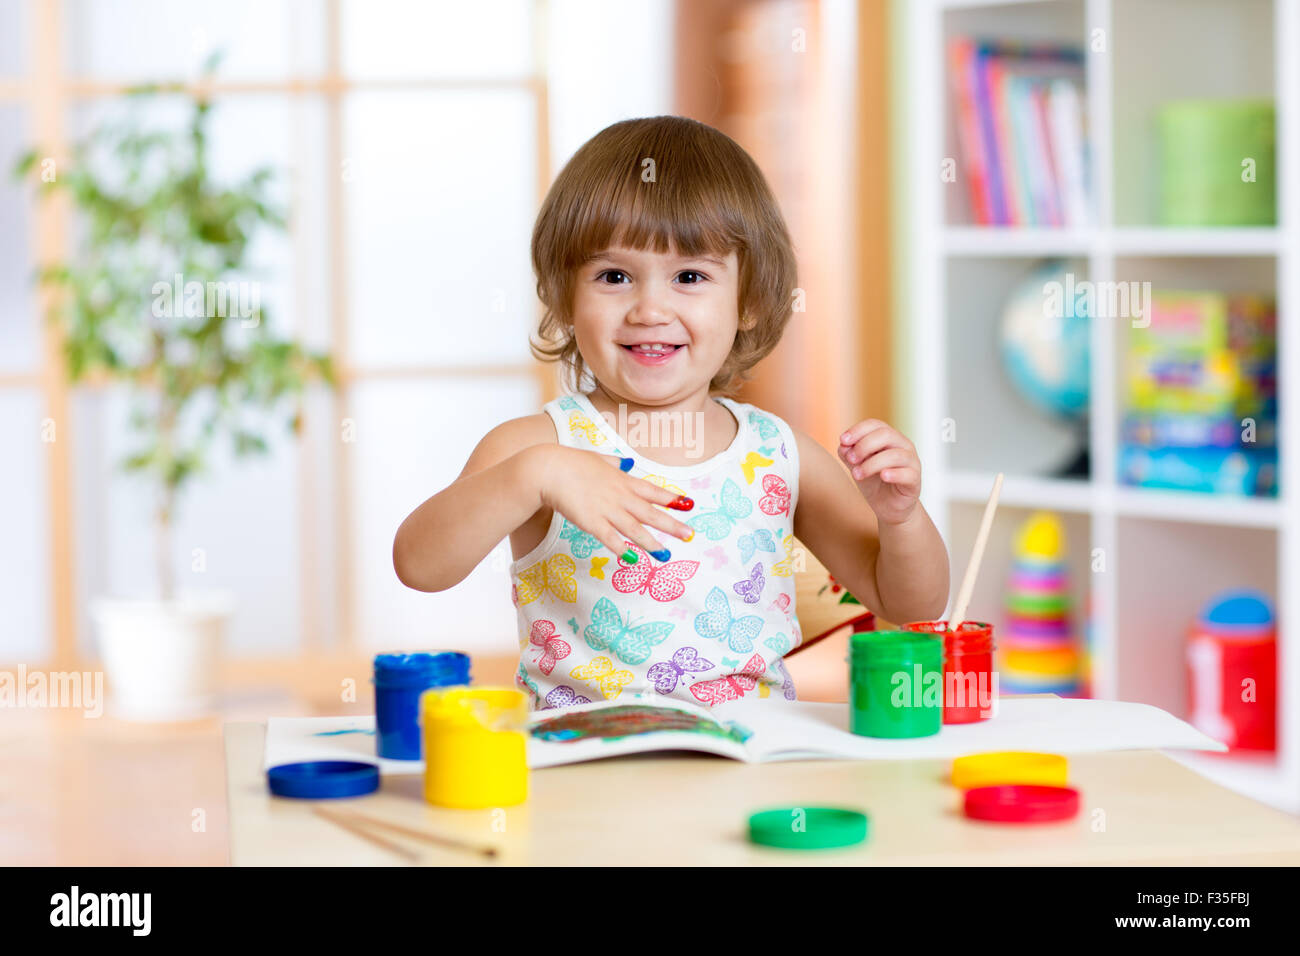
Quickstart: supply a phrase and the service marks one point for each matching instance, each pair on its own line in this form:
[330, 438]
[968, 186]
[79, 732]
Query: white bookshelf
[1165, 553]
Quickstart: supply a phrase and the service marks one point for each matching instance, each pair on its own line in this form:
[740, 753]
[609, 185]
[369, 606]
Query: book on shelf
[1020, 128]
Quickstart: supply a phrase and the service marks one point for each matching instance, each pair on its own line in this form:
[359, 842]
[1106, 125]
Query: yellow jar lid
[474, 708]
[1009, 767]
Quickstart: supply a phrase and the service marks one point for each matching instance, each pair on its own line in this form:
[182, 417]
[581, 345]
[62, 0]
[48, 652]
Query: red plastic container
[969, 690]
[1222, 667]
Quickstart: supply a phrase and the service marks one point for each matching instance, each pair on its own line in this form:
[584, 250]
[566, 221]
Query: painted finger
[654, 518]
[611, 538]
[637, 533]
[618, 461]
[658, 495]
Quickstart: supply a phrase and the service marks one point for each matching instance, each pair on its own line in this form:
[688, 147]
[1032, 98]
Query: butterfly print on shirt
[751, 589]
[717, 622]
[551, 647]
[630, 643]
[776, 497]
[685, 660]
[601, 672]
[760, 539]
[733, 686]
[732, 505]
[565, 696]
[663, 582]
[753, 461]
[582, 545]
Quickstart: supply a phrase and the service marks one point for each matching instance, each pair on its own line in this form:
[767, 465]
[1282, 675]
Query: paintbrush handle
[355, 830]
[425, 835]
[977, 555]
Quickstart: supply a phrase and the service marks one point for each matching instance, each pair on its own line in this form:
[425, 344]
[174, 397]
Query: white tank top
[712, 623]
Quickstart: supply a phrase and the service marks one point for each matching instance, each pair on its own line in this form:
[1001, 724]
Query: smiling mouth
[665, 350]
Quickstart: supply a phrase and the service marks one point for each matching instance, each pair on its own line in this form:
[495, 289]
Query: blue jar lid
[323, 779]
[425, 668]
[1239, 609]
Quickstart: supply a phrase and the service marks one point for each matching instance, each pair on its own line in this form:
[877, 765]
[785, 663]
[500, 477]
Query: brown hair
[707, 196]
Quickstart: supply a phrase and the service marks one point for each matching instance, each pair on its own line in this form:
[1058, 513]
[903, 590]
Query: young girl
[646, 566]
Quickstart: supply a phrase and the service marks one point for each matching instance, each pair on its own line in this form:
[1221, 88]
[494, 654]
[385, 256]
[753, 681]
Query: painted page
[607, 728]
[813, 731]
[610, 728]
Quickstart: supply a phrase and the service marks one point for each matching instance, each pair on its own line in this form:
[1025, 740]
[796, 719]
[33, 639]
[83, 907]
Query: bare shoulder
[508, 438]
[813, 458]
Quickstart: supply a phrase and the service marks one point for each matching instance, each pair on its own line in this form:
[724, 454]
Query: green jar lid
[894, 647]
[1210, 110]
[807, 828]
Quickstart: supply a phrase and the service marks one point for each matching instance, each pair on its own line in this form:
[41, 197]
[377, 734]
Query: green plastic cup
[895, 684]
[1217, 163]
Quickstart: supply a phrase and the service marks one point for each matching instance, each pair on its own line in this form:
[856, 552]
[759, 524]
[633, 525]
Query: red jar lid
[1022, 803]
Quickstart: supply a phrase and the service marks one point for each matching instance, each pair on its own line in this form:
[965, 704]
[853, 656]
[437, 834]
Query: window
[415, 140]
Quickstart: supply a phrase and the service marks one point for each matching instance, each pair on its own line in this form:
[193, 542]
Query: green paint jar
[895, 684]
[1217, 163]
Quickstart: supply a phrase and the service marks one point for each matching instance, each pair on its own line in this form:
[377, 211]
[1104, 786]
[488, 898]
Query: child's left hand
[886, 467]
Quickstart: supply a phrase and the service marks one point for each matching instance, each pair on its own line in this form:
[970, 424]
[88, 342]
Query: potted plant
[158, 298]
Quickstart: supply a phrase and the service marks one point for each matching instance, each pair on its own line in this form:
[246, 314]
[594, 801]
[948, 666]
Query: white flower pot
[160, 658]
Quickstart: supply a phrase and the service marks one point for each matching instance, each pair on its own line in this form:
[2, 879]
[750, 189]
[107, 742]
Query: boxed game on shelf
[1202, 395]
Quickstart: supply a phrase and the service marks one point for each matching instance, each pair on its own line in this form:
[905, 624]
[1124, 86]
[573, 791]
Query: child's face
[626, 297]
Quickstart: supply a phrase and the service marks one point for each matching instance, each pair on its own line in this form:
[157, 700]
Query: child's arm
[873, 534]
[445, 538]
[516, 471]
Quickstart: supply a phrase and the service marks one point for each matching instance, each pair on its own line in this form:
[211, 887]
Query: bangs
[659, 188]
[682, 215]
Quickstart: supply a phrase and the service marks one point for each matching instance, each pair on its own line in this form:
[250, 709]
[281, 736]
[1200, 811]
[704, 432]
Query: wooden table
[1138, 807]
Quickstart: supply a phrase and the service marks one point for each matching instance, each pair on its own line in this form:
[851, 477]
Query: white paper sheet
[1045, 724]
[793, 730]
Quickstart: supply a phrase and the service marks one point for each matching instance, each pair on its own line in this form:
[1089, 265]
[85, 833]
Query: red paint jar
[969, 688]
[1220, 665]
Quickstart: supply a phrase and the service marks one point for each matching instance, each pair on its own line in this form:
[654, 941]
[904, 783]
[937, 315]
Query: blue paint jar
[399, 681]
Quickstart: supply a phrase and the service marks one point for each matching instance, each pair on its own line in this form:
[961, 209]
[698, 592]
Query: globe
[1044, 342]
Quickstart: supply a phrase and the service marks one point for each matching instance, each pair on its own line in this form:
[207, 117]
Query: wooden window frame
[47, 93]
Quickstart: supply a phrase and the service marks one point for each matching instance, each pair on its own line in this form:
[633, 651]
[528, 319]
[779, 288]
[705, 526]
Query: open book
[758, 731]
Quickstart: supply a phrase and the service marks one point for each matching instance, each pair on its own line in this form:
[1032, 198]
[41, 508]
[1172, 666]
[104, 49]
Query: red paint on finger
[681, 503]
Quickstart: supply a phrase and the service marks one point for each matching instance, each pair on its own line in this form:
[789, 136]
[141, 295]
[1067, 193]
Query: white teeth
[654, 348]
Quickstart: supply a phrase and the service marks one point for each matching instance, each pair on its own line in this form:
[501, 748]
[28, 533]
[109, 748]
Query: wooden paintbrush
[437, 839]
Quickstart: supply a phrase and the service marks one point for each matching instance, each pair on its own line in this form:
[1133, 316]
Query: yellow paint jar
[1009, 767]
[475, 747]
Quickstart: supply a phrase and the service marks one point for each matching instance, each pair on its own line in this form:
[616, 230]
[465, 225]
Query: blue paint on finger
[625, 464]
[663, 554]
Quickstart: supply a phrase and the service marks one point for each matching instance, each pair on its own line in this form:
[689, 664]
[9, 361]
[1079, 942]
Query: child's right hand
[593, 492]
